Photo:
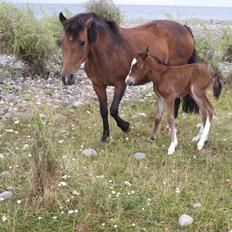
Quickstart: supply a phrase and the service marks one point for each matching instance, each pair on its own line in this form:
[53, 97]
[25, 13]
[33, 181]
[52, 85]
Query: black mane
[76, 24]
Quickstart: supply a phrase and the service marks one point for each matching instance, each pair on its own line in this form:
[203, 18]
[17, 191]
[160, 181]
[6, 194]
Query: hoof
[171, 151]
[200, 146]
[152, 138]
[126, 127]
[104, 137]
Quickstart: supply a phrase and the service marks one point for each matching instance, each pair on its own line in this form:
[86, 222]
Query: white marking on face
[132, 63]
[71, 38]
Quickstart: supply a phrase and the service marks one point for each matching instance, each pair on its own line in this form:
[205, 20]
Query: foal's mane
[158, 60]
[76, 24]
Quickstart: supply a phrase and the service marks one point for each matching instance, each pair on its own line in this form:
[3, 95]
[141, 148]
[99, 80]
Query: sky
[213, 3]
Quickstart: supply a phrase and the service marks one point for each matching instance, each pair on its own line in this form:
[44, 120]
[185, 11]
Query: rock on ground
[139, 155]
[185, 220]
[89, 152]
[5, 195]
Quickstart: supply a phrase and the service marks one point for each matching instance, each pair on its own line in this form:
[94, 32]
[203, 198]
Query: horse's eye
[82, 43]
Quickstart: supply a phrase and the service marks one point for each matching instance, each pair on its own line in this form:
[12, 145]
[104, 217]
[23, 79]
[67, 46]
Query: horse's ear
[62, 18]
[89, 23]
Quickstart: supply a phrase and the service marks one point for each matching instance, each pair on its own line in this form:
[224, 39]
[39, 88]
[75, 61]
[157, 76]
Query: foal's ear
[147, 51]
[89, 23]
[62, 18]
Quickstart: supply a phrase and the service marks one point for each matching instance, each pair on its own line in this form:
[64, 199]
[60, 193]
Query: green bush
[211, 48]
[105, 8]
[228, 54]
[26, 37]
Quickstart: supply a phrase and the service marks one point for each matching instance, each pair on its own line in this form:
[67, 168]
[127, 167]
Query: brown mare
[108, 50]
[171, 82]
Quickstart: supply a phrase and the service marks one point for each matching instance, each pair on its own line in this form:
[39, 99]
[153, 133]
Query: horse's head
[75, 44]
[139, 68]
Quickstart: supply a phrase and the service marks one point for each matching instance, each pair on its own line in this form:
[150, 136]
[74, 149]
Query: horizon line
[117, 4]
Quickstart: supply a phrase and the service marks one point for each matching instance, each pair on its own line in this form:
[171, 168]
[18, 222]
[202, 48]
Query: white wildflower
[4, 218]
[128, 183]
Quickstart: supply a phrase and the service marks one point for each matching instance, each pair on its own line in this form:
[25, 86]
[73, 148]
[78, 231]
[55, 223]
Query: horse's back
[167, 39]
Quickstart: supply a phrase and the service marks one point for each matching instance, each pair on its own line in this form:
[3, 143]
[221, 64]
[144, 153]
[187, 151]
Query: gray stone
[139, 155]
[3, 173]
[185, 220]
[89, 152]
[5, 195]
[139, 115]
[197, 205]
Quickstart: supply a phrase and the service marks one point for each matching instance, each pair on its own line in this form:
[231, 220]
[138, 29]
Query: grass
[151, 203]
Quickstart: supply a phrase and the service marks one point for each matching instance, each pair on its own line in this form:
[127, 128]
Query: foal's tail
[217, 85]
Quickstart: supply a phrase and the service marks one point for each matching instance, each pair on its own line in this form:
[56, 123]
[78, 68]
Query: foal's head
[75, 43]
[141, 65]
[139, 68]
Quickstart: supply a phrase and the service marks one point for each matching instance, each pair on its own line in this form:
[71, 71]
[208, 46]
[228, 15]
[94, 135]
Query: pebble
[139, 156]
[197, 205]
[139, 115]
[185, 220]
[3, 173]
[5, 195]
[89, 152]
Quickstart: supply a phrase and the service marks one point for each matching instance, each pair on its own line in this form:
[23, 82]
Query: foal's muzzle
[130, 82]
[69, 79]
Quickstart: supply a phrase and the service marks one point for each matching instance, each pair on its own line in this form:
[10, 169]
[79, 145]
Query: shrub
[228, 54]
[211, 47]
[105, 8]
[26, 37]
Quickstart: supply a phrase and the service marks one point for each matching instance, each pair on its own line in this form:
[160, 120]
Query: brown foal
[171, 82]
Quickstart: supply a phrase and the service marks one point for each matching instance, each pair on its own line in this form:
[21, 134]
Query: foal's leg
[118, 94]
[197, 138]
[171, 122]
[176, 110]
[209, 109]
[102, 97]
[158, 117]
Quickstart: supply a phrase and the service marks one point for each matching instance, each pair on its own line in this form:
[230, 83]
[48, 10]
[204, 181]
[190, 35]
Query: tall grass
[47, 165]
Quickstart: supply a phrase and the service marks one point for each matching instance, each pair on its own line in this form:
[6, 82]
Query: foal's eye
[82, 43]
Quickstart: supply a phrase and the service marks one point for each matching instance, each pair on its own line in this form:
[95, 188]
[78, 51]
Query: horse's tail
[189, 105]
[217, 85]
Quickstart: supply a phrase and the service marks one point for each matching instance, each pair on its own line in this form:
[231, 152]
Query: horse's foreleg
[171, 122]
[118, 94]
[102, 97]
[158, 117]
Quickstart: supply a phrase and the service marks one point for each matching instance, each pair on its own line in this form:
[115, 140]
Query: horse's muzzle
[69, 79]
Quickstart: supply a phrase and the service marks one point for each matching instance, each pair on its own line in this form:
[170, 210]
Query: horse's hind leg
[158, 117]
[118, 94]
[102, 97]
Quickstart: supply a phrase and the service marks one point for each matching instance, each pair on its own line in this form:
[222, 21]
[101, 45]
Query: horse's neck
[108, 50]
